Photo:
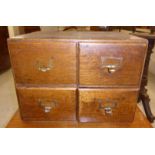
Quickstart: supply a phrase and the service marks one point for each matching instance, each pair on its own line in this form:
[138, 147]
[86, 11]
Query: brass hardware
[44, 68]
[47, 105]
[108, 110]
[106, 105]
[111, 64]
[111, 68]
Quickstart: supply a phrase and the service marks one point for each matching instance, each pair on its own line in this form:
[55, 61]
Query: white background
[77, 12]
[77, 141]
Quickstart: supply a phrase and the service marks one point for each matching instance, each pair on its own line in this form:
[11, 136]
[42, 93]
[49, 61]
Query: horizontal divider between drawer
[46, 85]
[111, 87]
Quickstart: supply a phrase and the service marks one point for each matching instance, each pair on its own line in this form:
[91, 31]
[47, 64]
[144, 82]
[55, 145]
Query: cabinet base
[140, 121]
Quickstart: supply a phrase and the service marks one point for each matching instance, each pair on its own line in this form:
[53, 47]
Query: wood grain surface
[94, 102]
[56, 104]
[87, 36]
[128, 58]
[31, 60]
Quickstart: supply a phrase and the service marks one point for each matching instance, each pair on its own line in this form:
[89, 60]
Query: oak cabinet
[83, 76]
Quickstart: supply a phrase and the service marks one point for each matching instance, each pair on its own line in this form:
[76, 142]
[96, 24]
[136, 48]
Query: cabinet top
[83, 36]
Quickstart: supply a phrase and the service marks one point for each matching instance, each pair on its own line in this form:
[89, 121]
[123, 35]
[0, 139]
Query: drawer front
[107, 105]
[43, 62]
[47, 103]
[111, 64]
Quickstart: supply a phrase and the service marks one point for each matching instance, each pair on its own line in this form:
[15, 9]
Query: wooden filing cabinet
[77, 76]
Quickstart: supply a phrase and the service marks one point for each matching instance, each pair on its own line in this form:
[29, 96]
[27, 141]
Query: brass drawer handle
[111, 68]
[111, 64]
[47, 106]
[44, 68]
[108, 110]
[107, 105]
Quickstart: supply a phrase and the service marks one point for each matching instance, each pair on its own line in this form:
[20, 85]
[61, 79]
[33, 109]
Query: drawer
[43, 62]
[108, 64]
[107, 105]
[55, 104]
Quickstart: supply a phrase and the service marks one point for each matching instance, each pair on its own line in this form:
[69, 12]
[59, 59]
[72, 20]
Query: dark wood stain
[77, 75]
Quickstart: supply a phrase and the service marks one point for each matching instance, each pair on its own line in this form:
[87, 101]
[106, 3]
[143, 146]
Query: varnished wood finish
[92, 104]
[88, 36]
[94, 55]
[56, 65]
[33, 102]
[28, 56]
[139, 121]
